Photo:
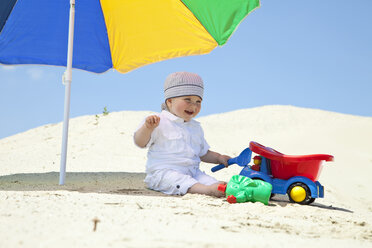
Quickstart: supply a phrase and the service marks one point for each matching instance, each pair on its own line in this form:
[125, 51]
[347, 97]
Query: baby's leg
[170, 182]
[211, 190]
[206, 185]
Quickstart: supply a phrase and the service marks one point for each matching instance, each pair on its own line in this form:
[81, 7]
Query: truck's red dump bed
[287, 166]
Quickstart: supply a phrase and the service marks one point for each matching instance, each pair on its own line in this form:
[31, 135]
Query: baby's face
[185, 107]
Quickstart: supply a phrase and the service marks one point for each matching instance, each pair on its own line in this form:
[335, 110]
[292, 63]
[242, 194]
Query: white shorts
[177, 182]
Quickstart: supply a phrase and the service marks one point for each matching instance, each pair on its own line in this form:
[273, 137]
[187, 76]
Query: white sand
[105, 182]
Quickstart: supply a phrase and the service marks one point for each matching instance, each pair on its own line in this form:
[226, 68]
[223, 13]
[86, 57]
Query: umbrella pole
[67, 78]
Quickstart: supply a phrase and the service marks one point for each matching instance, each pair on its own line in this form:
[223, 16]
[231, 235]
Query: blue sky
[313, 54]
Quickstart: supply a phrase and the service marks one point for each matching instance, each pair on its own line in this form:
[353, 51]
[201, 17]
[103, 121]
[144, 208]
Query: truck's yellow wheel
[298, 194]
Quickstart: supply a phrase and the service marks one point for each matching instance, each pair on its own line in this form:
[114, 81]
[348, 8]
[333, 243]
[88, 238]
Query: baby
[176, 142]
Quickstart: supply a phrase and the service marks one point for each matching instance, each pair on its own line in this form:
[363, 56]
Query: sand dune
[104, 184]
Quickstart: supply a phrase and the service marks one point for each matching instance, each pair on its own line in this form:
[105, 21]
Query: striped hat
[183, 84]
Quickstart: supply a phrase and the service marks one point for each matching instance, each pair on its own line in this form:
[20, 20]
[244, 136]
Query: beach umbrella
[119, 34]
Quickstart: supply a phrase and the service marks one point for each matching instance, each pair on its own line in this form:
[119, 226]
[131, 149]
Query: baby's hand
[222, 159]
[152, 121]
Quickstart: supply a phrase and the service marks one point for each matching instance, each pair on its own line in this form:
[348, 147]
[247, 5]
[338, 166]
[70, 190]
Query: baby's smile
[189, 112]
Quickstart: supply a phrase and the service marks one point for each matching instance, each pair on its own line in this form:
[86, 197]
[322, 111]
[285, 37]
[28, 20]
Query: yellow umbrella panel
[146, 31]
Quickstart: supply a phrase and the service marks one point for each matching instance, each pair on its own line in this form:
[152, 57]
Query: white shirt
[175, 143]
